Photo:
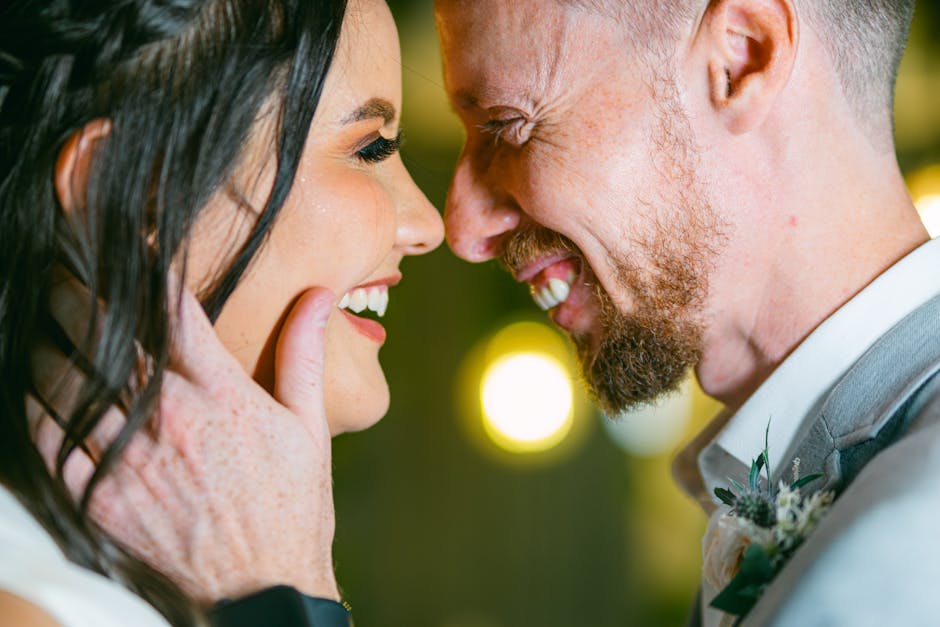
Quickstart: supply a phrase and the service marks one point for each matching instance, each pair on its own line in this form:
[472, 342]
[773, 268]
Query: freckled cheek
[554, 193]
[359, 230]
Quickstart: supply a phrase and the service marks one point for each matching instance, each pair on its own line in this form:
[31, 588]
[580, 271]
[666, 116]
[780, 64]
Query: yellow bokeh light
[928, 206]
[520, 399]
[527, 401]
[924, 186]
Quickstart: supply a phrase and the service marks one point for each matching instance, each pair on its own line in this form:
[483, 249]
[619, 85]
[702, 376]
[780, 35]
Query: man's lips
[561, 284]
[529, 272]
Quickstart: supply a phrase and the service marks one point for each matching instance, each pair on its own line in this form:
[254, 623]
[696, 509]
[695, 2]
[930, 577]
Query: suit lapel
[866, 409]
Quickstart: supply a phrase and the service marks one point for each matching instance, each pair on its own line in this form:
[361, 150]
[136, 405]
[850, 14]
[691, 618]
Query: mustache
[529, 243]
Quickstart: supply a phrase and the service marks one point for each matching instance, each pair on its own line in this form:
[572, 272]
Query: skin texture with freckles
[230, 491]
[345, 223]
[642, 346]
[717, 188]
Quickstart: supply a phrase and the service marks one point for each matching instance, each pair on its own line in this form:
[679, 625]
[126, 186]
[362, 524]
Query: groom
[713, 185]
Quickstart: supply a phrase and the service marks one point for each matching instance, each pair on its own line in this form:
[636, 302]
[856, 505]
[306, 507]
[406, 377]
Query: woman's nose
[476, 220]
[420, 228]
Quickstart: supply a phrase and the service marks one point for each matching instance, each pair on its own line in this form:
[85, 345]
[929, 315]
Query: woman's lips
[372, 296]
[369, 328]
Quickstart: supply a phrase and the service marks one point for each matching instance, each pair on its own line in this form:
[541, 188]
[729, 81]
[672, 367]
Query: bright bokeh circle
[924, 185]
[527, 401]
[928, 206]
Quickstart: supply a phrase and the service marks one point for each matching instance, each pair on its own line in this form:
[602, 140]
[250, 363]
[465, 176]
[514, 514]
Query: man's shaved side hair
[864, 38]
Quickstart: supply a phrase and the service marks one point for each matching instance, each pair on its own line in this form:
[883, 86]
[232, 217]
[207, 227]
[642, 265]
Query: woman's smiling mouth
[371, 297]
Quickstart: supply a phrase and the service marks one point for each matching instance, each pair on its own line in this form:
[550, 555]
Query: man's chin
[635, 364]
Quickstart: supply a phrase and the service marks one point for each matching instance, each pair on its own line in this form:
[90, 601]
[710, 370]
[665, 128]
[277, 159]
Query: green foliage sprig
[774, 523]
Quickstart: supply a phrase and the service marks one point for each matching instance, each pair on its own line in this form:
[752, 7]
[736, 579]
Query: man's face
[579, 173]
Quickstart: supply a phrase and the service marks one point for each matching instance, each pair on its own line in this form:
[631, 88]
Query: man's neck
[840, 234]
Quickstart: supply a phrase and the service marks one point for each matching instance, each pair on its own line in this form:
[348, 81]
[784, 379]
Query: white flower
[787, 500]
[723, 547]
[813, 510]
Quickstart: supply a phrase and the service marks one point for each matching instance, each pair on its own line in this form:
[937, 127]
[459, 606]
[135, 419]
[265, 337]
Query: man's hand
[233, 491]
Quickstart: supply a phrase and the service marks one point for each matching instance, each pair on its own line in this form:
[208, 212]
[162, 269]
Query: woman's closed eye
[380, 149]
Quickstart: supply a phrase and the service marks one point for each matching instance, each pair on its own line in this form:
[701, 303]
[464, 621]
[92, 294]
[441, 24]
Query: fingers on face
[195, 349]
[299, 357]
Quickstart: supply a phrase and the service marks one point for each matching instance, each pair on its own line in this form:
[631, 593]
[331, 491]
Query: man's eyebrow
[374, 108]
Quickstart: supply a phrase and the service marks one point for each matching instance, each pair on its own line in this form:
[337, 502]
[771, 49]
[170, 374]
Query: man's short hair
[864, 38]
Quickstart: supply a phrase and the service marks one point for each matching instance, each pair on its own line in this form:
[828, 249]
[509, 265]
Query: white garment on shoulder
[34, 568]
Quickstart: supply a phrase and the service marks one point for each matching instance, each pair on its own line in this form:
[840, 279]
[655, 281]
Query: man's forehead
[491, 47]
[498, 22]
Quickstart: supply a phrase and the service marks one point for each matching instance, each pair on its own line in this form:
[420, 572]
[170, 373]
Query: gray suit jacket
[875, 558]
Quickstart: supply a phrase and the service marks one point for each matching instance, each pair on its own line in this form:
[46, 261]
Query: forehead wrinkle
[550, 47]
[562, 73]
[524, 63]
[557, 57]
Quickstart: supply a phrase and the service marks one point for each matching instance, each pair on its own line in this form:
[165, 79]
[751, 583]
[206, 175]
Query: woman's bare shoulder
[18, 612]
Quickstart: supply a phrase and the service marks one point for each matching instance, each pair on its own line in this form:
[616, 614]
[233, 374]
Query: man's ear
[752, 46]
[74, 164]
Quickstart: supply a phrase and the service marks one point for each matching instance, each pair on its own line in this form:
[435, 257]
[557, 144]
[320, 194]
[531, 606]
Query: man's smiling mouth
[552, 285]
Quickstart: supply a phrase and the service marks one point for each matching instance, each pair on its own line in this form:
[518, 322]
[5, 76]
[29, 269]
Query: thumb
[298, 361]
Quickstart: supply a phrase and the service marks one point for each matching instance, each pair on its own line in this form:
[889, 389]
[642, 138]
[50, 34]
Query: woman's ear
[752, 46]
[74, 164]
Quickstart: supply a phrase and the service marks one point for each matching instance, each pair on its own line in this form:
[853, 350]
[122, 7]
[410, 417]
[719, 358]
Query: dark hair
[181, 83]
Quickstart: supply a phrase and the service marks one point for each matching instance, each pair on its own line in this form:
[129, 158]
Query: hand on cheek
[233, 492]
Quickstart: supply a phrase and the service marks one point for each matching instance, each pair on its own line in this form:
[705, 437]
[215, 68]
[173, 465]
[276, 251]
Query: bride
[164, 164]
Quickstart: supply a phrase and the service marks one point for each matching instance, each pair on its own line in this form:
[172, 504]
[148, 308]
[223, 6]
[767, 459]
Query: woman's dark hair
[181, 84]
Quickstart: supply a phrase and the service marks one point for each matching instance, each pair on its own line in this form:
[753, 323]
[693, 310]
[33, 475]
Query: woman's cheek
[355, 391]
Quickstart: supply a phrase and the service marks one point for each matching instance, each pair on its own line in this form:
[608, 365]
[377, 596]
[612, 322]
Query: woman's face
[352, 215]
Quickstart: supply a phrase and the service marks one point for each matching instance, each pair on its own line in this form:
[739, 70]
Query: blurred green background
[435, 526]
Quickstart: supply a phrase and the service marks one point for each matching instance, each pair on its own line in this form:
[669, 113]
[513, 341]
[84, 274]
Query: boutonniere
[746, 547]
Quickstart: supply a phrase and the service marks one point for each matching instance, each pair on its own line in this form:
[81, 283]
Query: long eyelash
[495, 128]
[381, 149]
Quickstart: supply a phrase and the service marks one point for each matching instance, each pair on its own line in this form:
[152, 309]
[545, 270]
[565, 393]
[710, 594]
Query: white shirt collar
[803, 379]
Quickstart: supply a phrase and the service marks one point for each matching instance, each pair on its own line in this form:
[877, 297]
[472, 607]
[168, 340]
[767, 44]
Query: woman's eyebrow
[373, 108]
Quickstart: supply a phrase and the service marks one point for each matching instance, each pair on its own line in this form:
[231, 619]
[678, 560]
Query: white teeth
[560, 289]
[362, 298]
[358, 300]
[539, 299]
[375, 298]
[547, 297]
[553, 294]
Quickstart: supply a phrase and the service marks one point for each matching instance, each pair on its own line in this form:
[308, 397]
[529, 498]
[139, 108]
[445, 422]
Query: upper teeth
[362, 298]
[554, 293]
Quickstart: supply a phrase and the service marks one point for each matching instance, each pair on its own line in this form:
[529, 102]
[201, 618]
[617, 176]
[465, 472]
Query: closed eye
[514, 131]
[494, 127]
[380, 149]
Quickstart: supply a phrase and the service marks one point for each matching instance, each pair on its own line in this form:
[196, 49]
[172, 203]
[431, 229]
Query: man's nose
[477, 216]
